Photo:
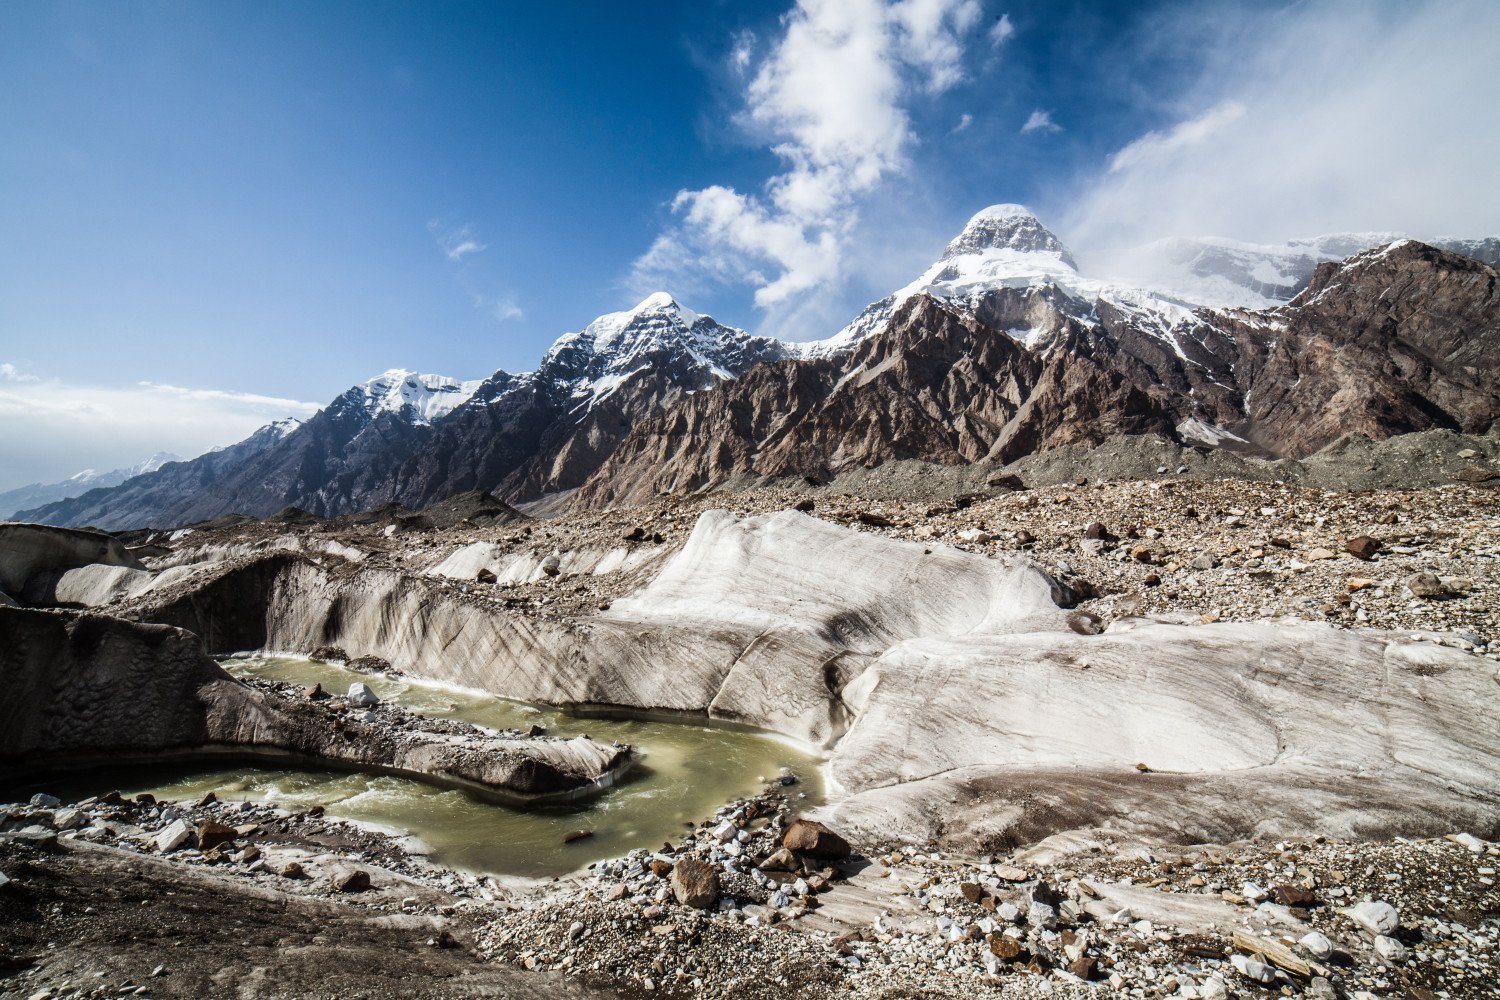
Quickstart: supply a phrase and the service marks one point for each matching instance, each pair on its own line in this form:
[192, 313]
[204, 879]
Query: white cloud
[829, 99]
[1161, 148]
[964, 121]
[1040, 121]
[10, 373]
[1317, 118]
[1001, 31]
[505, 309]
[54, 428]
[458, 243]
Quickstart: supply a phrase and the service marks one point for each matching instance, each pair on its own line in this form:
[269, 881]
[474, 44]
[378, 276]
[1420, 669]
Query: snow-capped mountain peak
[694, 350]
[1009, 229]
[420, 398]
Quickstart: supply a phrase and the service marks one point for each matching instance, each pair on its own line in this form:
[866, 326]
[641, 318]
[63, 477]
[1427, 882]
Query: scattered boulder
[1363, 547]
[1426, 585]
[361, 695]
[293, 870]
[173, 836]
[695, 883]
[211, 835]
[1374, 915]
[485, 575]
[1317, 945]
[782, 860]
[357, 880]
[814, 840]
[1204, 561]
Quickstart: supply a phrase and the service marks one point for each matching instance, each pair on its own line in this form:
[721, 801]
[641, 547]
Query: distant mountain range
[37, 494]
[1001, 348]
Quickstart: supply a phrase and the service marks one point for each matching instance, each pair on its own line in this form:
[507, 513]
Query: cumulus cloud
[829, 98]
[55, 428]
[1040, 121]
[10, 373]
[1317, 118]
[458, 243]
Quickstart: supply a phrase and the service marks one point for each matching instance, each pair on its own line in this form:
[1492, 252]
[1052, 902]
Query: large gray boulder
[34, 556]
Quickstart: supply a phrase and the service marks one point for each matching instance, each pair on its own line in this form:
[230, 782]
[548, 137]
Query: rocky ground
[112, 897]
[730, 909]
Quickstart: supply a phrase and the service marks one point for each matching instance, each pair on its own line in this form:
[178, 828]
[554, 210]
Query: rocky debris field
[1421, 560]
[753, 904]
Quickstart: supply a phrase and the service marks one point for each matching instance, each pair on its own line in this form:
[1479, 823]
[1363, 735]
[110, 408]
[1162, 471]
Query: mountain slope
[415, 439]
[174, 483]
[1398, 339]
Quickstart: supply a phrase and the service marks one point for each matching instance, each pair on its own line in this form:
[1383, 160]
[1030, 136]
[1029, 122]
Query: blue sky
[215, 214]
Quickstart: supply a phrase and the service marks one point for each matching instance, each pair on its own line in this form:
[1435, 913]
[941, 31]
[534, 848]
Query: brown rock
[212, 835]
[1426, 585]
[1005, 947]
[695, 883]
[315, 693]
[814, 840]
[1083, 967]
[782, 860]
[568, 838]
[971, 891]
[484, 576]
[293, 870]
[660, 868]
[356, 881]
[1293, 895]
[805, 506]
[1363, 547]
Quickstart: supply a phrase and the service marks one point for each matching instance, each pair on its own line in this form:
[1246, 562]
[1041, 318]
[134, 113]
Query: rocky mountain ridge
[1002, 348]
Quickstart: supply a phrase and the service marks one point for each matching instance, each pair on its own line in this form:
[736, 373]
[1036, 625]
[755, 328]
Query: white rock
[1008, 912]
[1376, 916]
[725, 831]
[1254, 892]
[172, 836]
[67, 819]
[1041, 915]
[360, 694]
[42, 800]
[1317, 945]
[1390, 949]
[1468, 840]
[1213, 988]
[1252, 968]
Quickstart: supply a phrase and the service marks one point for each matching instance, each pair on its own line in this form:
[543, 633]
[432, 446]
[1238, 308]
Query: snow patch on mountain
[419, 398]
[1005, 246]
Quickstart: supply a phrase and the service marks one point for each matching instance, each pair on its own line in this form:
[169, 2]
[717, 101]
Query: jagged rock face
[1396, 340]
